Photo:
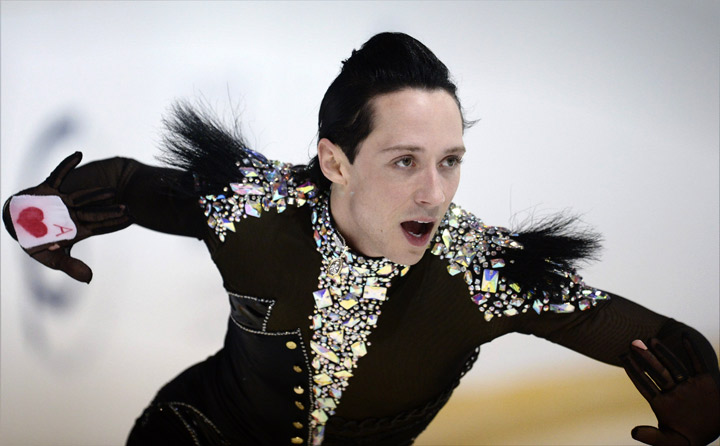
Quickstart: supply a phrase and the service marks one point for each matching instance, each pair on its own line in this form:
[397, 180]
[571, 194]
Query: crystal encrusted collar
[351, 291]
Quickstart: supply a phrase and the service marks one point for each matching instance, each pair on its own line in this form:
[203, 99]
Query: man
[359, 293]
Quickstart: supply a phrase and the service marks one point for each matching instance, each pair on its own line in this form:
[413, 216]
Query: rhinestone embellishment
[351, 292]
[474, 250]
[264, 185]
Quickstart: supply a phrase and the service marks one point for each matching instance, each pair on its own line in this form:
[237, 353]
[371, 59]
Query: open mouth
[417, 232]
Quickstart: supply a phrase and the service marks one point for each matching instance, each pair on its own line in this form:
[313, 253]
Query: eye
[452, 161]
[404, 162]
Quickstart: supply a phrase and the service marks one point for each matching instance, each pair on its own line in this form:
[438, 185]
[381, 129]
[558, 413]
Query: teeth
[421, 226]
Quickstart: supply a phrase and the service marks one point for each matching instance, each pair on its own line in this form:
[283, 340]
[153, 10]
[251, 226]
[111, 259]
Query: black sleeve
[154, 196]
[606, 331]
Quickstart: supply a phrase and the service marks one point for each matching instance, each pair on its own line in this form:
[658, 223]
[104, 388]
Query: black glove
[685, 402]
[47, 223]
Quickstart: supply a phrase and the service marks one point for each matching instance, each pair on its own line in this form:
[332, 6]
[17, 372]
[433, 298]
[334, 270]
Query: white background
[609, 109]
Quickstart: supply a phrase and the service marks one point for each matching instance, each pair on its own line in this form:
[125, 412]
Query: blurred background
[605, 108]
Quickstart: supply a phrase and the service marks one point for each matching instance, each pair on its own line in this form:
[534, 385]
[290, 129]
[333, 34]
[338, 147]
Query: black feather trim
[552, 249]
[198, 143]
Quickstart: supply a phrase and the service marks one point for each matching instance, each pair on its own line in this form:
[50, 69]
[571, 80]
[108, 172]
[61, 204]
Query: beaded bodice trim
[265, 185]
[351, 291]
[476, 251]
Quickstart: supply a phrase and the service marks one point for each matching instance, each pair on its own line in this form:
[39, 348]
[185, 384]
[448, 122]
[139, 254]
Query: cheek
[381, 197]
[451, 186]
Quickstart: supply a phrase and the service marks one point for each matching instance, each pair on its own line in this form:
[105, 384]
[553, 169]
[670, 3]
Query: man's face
[404, 176]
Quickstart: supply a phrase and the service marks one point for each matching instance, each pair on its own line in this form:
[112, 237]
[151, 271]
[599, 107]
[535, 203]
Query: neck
[342, 220]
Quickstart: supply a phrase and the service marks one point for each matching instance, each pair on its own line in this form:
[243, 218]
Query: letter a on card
[41, 219]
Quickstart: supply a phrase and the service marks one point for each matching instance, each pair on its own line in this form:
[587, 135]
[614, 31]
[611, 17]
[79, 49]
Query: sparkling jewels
[320, 416]
[322, 298]
[318, 435]
[480, 298]
[562, 308]
[253, 209]
[489, 281]
[322, 379]
[324, 352]
[326, 403]
[351, 291]
[336, 336]
[343, 374]
[317, 321]
[264, 186]
[477, 252]
[537, 306]
[454, 269]
[247, 189]
[349, 301]
[374, 292]
[359, 349]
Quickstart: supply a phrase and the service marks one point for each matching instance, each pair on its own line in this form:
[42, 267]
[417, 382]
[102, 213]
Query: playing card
[41, 219]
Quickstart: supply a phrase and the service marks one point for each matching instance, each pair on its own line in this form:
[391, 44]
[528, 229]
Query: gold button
[291, 345]
[299, 405]
[299, 390]
[297, 368]
[296, 440]
[297, 425]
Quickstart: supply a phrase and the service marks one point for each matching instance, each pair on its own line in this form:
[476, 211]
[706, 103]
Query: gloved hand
[47, 223]
[685, 402]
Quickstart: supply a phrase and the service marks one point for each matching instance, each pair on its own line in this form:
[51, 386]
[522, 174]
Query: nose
[430, 190]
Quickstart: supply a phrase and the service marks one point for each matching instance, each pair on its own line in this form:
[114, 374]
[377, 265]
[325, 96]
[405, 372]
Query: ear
[333, 161]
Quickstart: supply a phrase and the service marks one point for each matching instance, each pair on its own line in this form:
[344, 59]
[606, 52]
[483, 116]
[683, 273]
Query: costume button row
[299, 391]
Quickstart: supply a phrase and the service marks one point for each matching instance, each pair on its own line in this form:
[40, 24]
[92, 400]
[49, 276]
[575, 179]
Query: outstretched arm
[673, 366]
[75, 203]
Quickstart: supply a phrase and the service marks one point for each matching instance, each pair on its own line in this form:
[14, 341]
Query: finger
[57, 176]
[646, 434]
[651, 366]
[656, 437]
[697, 364]
[92, 196]
[61, 260]
[113, 225]
[676, 368]
[641, 381]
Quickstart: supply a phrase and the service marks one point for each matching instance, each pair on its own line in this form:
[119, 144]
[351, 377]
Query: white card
[41, 219]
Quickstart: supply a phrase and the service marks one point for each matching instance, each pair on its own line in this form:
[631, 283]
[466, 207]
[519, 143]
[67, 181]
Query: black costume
[325, 345]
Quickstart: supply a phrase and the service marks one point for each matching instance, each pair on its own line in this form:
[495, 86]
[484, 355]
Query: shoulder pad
[486, 256]
[262, 185]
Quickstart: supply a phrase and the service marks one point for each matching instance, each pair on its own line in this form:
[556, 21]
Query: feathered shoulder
[233, 181]
[510, 272]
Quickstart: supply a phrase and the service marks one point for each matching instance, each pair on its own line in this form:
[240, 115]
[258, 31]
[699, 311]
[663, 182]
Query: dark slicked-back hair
[386, 63]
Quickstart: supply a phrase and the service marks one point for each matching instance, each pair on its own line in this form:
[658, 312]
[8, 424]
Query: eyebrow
[406, 148]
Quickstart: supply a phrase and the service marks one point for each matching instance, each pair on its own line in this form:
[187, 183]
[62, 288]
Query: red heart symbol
[31, 220]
